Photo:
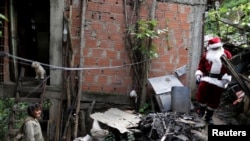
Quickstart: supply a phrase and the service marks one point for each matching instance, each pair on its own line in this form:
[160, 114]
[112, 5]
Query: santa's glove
[226, 79]
[198, 79]
[225, 82]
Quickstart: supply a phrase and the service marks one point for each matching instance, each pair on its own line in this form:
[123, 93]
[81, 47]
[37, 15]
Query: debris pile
[171, 126]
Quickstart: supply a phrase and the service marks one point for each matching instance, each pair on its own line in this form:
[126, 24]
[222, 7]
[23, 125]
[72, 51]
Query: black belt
[219, 76]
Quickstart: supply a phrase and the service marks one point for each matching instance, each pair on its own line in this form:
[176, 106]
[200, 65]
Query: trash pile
[171, 126]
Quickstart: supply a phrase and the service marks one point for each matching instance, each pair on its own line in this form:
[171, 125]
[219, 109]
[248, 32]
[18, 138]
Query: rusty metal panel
[163, 84]
[162, 87]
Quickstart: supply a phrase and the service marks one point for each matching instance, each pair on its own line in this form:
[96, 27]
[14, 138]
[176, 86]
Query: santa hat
[214, 43]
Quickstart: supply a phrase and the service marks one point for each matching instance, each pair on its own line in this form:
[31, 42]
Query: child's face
[37, 113]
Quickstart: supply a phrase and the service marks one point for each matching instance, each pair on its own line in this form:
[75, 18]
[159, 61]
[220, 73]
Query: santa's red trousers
[209, 94]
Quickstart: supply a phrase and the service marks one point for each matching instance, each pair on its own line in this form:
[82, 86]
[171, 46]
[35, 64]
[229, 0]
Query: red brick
[105, 8]
[121, 89]
[76, 59]
[119, 46]
[116, 37]
[105, 44]
[75, 31]
[95, 88]
[96, 25]
[112, 54]
[91, 43]
[93, 16]
[76, 23]
[117, 9]
[116, 81]
[93, 6]
[105, 16]
[76, 14]
[161, 6]
[89, 61]
[103, 62]
[88, 78]
[119, 19]
[103, 36]
[112, 27]
[106, 30]
[97, 53]
[102, 79]
[108, 89]
[94, 71]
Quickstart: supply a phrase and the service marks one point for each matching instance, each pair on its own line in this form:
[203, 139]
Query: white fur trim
[227, 77]
[214, 81]
[214, 57]
[216, 45]
[198, 72]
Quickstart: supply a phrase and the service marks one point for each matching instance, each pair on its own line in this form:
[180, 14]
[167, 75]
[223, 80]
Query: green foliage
[233, 3]
[123, 137]
[144, 109]
[5, 111]
[237, 13]
[3, 17]
[146, 30]
[6, 105]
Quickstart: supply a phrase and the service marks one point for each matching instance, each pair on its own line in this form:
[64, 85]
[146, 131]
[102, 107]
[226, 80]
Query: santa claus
[213, 78]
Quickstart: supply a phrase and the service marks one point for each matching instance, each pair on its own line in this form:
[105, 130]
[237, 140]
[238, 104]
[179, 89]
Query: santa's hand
[198, 78]
[225, 82]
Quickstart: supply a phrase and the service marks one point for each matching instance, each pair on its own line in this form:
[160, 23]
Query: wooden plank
[28, 89]
[235, 74]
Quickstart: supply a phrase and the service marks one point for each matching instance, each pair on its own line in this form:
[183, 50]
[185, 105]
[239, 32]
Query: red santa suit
[213, 76]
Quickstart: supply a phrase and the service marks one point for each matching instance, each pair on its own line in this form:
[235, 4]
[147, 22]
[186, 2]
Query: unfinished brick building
[85, 49]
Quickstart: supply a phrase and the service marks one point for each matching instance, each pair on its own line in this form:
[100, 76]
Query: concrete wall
[56, 28]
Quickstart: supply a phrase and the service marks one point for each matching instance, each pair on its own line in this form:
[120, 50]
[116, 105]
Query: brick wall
[104, 48]
[4, 44]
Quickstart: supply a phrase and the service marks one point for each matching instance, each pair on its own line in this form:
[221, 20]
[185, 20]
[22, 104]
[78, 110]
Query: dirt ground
[217, 121]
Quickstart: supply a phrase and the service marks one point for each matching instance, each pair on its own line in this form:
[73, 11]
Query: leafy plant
[146, 30]
[231, 22]
[144, 109]
[2, 17]
[5, 112]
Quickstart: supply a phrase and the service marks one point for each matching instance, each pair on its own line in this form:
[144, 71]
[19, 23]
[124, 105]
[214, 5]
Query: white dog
[40, 72]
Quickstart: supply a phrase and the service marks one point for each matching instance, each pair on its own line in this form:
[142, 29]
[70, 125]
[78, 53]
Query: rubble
[163, 126]
[172, 126]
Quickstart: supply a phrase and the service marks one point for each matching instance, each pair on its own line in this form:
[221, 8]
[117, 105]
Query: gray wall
[56, 27]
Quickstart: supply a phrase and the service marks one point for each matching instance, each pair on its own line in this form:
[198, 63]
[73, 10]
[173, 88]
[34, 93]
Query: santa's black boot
[209, 116]
[201, 111]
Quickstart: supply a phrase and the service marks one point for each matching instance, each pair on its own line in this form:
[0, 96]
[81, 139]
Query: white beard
[213, 56]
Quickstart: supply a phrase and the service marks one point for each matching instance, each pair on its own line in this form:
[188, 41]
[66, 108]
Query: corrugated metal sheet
[118, 119]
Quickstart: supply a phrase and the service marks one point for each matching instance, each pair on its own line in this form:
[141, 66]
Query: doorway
[33, 30]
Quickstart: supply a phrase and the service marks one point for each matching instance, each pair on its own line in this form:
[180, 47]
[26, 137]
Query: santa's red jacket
[211, 68]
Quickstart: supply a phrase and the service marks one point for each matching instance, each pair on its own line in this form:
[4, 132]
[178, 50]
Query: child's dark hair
[32, 107]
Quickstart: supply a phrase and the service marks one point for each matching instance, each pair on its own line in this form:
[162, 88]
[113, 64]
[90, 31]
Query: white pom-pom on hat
[214, 43]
